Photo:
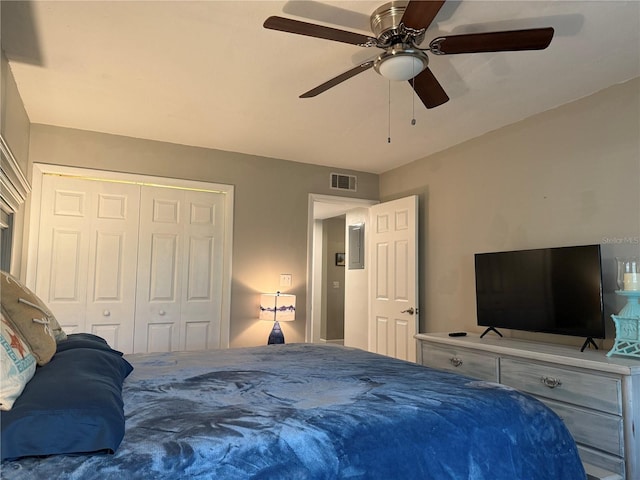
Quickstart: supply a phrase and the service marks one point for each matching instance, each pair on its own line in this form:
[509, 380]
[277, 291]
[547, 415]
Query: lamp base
[276, 336]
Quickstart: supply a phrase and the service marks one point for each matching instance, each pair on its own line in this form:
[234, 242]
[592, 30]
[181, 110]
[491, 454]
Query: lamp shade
[277, 307]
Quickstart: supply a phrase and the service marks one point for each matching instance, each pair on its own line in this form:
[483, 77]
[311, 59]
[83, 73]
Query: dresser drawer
[465, 362]
[609, 463]
[589, 390]
[598, 430]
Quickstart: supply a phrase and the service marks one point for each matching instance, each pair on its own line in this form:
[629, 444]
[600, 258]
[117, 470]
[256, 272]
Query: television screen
[550, 290]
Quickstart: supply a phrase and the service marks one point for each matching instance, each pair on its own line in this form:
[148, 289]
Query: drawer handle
[455, 361]
[551, 382]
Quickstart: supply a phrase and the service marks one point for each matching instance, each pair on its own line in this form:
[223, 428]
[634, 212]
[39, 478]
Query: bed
[301, 411]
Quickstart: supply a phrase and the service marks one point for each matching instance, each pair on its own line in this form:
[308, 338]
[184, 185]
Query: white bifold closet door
[87, 255]
[139, 265]
[179, 270]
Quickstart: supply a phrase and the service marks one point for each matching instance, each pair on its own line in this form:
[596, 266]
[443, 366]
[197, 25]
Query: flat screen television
[548, 290]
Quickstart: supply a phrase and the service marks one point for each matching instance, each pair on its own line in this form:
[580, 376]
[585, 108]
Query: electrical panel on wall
[356, 246]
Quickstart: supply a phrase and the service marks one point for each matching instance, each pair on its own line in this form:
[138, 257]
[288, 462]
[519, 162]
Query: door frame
[41, 169]
[320, 207]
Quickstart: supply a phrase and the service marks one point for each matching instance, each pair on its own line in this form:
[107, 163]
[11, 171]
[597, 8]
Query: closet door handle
[161, 312]
[106, 313]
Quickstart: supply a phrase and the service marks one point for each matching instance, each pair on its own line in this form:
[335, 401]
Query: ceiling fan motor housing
[386, 19]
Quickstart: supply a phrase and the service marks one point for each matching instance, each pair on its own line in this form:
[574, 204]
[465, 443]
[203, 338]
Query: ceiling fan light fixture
[401, 64]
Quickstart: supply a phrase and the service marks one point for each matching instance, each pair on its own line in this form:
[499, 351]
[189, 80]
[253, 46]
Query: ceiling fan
[399, 28]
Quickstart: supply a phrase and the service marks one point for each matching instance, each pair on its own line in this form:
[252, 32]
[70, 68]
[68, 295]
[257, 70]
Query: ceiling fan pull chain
[413, 100]
[389, 114]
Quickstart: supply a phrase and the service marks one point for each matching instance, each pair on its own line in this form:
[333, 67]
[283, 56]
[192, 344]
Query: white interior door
[87, 256]
[393, 310]
[179, 298]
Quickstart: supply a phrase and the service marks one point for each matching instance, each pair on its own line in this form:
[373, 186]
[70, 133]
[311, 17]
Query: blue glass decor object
[276, 307]
[627, 324]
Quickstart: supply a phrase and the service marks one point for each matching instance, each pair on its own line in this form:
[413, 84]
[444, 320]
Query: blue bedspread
[302, 411]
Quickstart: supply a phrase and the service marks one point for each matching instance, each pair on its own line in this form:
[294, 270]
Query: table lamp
[276, 307]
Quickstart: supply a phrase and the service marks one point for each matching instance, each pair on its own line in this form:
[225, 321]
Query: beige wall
[15, 129]
[14, 122]
[270, 217]
[564, 177]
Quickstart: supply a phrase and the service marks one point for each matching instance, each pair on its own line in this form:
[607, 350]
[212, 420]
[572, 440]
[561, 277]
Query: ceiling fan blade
[429, 89]
[318, 31]
[339, 79]
[419, 14]
[514, 40]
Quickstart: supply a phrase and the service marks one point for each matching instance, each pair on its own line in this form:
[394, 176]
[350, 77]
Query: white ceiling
[208, 74]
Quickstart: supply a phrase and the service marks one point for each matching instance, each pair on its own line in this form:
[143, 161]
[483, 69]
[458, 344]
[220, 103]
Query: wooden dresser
[597, 397]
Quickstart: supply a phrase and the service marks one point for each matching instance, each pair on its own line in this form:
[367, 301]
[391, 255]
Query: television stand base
[490, 329]
[587, 343]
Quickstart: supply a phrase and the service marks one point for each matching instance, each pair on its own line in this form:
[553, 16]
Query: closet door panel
[179, 302]
[113, 254]
[196, 335]
[63, 250]
[67, 266]
[87, 256]
[202, 266]
[108, 266]
[200, 258]
[159, 287]
[163, 267]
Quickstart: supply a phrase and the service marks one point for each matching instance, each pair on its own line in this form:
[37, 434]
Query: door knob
[161, 312]
[106, 313]
[409, 310]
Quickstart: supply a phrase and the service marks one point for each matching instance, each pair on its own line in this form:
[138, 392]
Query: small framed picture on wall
[340, 259]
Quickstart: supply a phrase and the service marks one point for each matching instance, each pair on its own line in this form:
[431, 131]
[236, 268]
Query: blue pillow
[73, 404]
[84, 340]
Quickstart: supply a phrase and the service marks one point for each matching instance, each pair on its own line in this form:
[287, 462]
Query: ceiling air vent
[343, 182]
